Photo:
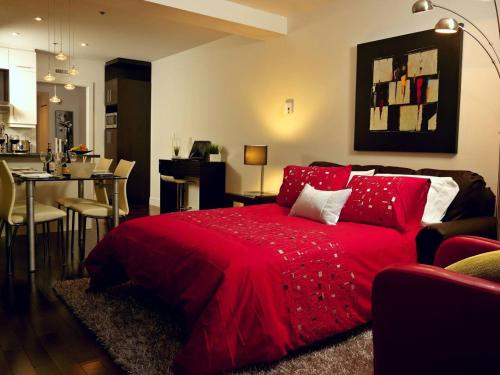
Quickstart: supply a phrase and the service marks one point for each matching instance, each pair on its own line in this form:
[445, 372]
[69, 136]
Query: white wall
[232, 92]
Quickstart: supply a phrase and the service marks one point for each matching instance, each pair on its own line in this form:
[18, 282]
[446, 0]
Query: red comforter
[252, 282]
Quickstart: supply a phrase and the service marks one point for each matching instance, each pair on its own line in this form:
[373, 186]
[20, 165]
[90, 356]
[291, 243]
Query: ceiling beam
[227, 16]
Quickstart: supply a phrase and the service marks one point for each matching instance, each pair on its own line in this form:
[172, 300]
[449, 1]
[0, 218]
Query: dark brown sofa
[470, 213]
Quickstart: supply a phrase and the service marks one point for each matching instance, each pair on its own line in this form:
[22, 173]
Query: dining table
[31, 178]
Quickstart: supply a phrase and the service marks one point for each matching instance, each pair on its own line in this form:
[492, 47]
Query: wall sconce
[289, 106]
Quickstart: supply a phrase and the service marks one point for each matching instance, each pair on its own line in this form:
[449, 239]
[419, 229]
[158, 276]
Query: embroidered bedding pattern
[320, 287]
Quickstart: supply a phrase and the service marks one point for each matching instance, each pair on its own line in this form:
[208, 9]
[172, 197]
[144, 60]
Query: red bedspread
[252, 282]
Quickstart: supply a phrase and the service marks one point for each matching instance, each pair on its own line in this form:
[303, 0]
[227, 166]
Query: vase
[215, 157]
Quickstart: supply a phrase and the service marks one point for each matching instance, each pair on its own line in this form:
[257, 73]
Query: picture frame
[408, 93]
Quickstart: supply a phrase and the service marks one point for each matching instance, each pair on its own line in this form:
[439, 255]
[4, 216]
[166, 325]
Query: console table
[212, 182]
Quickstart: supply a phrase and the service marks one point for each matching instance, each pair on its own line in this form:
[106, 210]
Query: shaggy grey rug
[143, 335]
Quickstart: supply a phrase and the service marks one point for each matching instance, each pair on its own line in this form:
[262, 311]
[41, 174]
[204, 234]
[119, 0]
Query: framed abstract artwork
[408, 93]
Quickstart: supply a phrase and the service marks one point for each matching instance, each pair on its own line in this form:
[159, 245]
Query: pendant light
[48, 77]
[55, 99]
[69, 86]
[71, 40]
[61, 56]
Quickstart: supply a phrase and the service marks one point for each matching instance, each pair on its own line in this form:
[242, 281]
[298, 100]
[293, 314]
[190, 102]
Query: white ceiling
[133, 29]
[284, 7]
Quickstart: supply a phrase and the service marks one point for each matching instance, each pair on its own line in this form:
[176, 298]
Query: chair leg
[84, 232]
[97, 229]
[47, 238]
[73, 233]
[67, 229]
[7, 248]
[11, 249]
[2, 224]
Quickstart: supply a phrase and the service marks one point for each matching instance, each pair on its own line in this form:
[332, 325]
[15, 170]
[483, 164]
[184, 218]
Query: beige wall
[233, 92]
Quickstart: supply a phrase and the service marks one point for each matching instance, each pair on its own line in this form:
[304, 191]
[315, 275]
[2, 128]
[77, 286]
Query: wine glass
[45, 158]
[73, 156]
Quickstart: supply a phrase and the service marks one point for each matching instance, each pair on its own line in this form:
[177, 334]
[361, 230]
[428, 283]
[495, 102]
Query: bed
[252, 283]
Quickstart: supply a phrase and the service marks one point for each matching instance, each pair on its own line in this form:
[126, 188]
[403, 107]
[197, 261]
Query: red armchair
[427, 320]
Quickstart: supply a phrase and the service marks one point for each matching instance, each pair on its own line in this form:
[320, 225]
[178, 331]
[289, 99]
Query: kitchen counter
[25, 155]
[19, 155]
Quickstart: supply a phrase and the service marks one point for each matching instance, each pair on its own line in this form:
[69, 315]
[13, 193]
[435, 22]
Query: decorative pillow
[370, 172]
[485, 266]
[319, 205]
[395, 202]
[441, 193]
[321, 178]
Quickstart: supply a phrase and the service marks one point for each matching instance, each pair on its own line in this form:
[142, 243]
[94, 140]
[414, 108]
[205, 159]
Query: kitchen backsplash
[23, 133]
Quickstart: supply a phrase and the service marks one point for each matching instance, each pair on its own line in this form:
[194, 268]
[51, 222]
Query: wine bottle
[50, 164]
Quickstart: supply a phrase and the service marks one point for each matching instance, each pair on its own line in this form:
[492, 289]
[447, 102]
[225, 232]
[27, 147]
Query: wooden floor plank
[38, 333]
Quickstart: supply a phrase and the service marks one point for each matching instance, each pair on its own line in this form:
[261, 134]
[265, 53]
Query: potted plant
[214, 151]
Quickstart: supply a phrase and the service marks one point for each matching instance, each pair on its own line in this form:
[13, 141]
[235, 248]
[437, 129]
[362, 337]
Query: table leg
[30, 210]
[81, 189]
[116, 213]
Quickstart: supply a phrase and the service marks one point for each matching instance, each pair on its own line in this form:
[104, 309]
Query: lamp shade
[255, 155]
[446, 26]
[422, 6]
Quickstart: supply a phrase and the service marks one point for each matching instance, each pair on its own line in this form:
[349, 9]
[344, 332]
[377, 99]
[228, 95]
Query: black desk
[212, 177]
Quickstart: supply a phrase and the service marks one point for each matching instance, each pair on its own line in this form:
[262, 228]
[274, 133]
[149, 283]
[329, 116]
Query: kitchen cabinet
[4, 58]
[22, 60]
[22, 88]
[128, 93]
[22, 97]
[111, 94]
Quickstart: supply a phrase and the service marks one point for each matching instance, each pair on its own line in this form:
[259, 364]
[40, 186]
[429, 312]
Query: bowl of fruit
[80, 149]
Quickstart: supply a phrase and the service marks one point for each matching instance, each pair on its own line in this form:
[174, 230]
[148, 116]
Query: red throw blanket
[252, 282]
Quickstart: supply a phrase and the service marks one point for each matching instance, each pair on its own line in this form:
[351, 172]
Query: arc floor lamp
[450, 26]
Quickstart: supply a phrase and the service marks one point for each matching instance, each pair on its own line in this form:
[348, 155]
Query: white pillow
[371, 172]
[441, 193]
[319, 205]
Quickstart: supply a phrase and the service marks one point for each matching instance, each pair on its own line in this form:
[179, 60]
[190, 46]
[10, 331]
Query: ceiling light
[49, 77]
[61, 56]
[38, 19]
[15, 33]
[69, 86]
[83, 44]
[73, 71]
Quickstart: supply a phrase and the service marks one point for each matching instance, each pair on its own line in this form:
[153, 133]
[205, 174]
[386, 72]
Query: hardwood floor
[38, 334]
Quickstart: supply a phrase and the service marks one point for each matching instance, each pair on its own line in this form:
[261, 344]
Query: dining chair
[99, 211]
[101, 197]
[14, 213]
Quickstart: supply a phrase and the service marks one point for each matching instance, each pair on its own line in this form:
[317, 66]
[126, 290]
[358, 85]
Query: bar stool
[181, 187]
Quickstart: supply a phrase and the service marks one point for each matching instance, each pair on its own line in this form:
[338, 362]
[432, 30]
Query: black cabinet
[212, 182]
[111, 92]
[130, 98]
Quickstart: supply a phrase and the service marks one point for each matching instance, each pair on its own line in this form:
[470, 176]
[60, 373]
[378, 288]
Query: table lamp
[256, 155]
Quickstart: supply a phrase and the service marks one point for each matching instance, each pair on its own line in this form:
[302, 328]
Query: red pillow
[395, 202]
[321, 178]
